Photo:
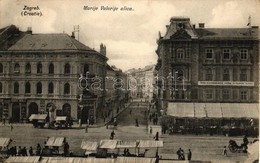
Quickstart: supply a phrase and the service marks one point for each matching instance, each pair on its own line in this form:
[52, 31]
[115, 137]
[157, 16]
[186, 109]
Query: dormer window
[180, 53]
[209, 53]
[226, 53]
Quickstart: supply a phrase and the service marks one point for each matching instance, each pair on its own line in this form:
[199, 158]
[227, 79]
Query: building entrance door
[16, 110]
[84, 114]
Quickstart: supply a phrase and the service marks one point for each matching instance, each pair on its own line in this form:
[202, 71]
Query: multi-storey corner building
[40, 73]
[207, 68]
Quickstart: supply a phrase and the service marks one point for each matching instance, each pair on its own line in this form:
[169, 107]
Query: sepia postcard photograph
[129, 81]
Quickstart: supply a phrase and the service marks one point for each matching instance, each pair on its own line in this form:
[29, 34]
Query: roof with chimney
[180, 28]
[42, 42]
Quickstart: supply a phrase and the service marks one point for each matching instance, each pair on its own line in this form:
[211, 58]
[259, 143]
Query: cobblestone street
[205, 148]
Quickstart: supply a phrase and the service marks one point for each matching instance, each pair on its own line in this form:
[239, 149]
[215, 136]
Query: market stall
[21, 159]
[89, 147]
[52, 146]
[38, 120]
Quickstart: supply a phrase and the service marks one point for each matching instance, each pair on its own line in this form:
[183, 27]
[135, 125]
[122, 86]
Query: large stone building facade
[40, 73]
[207, 65]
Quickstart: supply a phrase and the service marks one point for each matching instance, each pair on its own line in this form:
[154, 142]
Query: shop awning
[108, 144]
[4, 142]
[37, 117]
[126, 144]
[240, 110]
[135, 160]
[57, 142]
[181, 109]
[150, 144]
[61, 118]
[76, 160]
[214, 110]
[89, 146]
[20, 159]
[200, 110]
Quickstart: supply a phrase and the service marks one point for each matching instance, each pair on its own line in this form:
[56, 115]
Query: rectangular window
[209, 94]
[243, 75]
[180, 54]
[226, 53]
[243, 54]
[209, 53]
[226, 76]
[243, 95]
[209, 75]
[226, 94]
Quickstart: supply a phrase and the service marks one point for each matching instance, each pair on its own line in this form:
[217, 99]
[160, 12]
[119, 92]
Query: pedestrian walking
[151, 130]
[86, 128]
[31, 151]
[38, 150]
[225, 151]
[4, 121]
[12, 127]
[180, 154]
[19, 151]
[136, 123]
[66, 149]
[112, 135]
[130, 111]
[189, 154]
[156, 137]
[150, 118]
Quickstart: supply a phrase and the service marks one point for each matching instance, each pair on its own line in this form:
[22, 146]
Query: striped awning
[57, 142]
[4, 142]
[213, 110]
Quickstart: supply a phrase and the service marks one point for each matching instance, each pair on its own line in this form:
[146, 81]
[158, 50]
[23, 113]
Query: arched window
[28, 68]
[209, 75]
[226, 76]
[179, 75]
[1, 68]
[39, 68]
[16, 87]
[50, 88]
[67, 68]
[180, 54]
[67, 88]
[51, 68]
[27, 87]
[1, 88]
[16, 68]
[39, 88]
[86, 69]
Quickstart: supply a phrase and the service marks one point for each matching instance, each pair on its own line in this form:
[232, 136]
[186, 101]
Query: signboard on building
[226, 83]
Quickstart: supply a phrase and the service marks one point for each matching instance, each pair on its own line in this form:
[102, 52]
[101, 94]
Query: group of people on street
[181, 155]
[153, 117]
[14, 151]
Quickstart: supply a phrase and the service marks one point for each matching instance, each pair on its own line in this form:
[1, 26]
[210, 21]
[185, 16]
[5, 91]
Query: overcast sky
[130, 36]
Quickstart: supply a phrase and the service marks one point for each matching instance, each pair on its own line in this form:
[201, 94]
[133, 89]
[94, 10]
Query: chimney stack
[73, 35]
[29, 30]
[201, 25]
[103, 49]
